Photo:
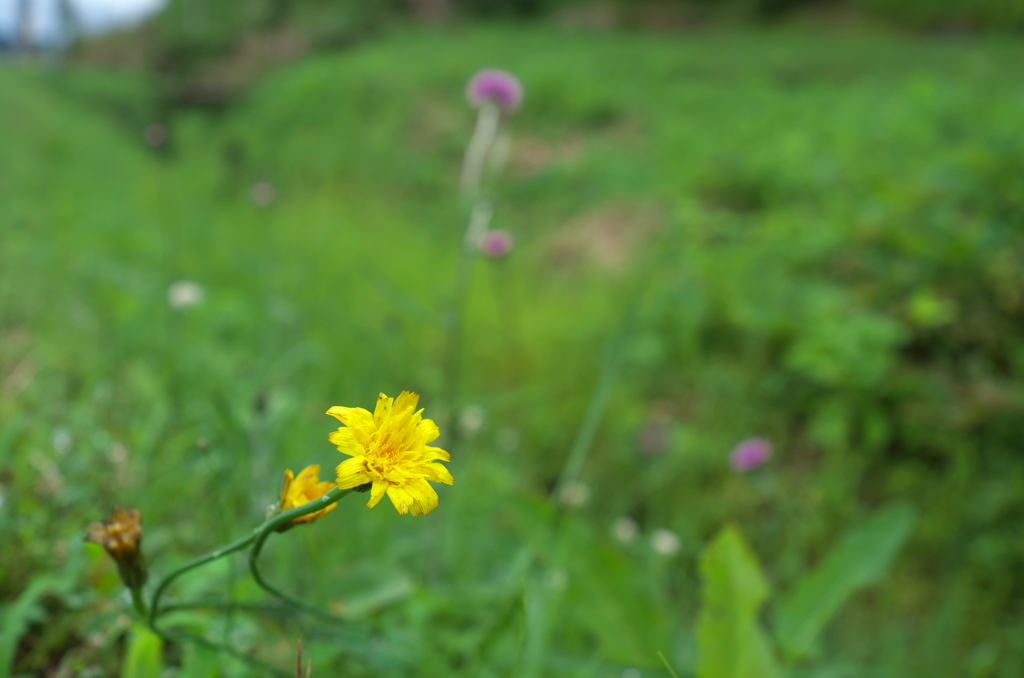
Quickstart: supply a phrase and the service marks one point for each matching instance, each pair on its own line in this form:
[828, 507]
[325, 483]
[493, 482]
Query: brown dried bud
[121, 536]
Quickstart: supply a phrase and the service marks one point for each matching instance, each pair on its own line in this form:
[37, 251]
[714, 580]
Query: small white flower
[471, 419]
[665, 542]
[624, 529]
[556, 579]
[62, 440]
[263, 194]
[118, 454]
[185, 293]
[575, 494]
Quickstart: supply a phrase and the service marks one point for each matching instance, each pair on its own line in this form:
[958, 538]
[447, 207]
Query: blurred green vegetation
[820, 238]
[201, 17]
[207, 53]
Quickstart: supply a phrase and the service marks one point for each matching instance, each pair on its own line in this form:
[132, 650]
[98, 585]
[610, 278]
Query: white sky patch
[93, 16]
[105, 14]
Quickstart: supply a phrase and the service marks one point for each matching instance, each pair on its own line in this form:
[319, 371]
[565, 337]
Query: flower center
[383, 454]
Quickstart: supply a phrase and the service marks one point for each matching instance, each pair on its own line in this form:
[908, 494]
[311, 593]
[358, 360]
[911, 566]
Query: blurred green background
[801, 221]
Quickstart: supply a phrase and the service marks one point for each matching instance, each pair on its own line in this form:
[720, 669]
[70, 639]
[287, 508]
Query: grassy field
[813, 238]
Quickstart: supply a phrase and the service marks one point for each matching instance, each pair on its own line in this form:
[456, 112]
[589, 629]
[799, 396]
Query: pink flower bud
[497, 86]
[750, 454]
[496, 244]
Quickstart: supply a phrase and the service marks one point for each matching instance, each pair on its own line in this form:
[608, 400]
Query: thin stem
[479, 222]
[259, 534]
[226, 649]
[480, 144]
[155, 610]
[237, 545]
[476, 153]
[139, 603]
[271, 526]
[584, 441]
[668, 666]
[274, 608]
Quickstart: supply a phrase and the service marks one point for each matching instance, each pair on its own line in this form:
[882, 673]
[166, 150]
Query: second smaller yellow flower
[302, 489]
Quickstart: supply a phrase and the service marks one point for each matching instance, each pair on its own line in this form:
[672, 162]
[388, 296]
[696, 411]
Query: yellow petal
[416, 497]
[425, 495]
[407, 400]
[356, 418]
[431, 453]
[376, 492]
[383, 409]
[352, 473]
[400, 498]
[285, 486]
[347, 442]
[438, 474]
[311, 472]
[428, 430]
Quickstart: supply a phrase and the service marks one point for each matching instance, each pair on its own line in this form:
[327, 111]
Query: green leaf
[199, 662]
[859, 559]
[17, 617]
[143, 658]
[730, 641]
[538, 604]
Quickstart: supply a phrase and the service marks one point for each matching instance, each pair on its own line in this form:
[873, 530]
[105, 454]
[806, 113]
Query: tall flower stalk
[495, 94]
[484, 134]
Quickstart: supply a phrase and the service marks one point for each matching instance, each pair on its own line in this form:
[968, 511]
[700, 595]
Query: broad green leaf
[143, 657]
[858, 560]
[730, 641]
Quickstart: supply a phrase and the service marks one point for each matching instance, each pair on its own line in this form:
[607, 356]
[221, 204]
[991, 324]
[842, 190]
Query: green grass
[826, 234]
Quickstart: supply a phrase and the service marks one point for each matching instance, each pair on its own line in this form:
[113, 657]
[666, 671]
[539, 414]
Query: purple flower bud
[497, 86]
[496, 244]
[750, 454]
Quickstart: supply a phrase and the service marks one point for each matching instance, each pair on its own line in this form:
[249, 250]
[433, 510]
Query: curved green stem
[237, 545]
[155, 610]
[259, 535]
[273, 525]
[272, 608]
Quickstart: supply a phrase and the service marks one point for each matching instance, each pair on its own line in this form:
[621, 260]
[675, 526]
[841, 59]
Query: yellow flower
[389, 450]
[121, 536]
[296, 491]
